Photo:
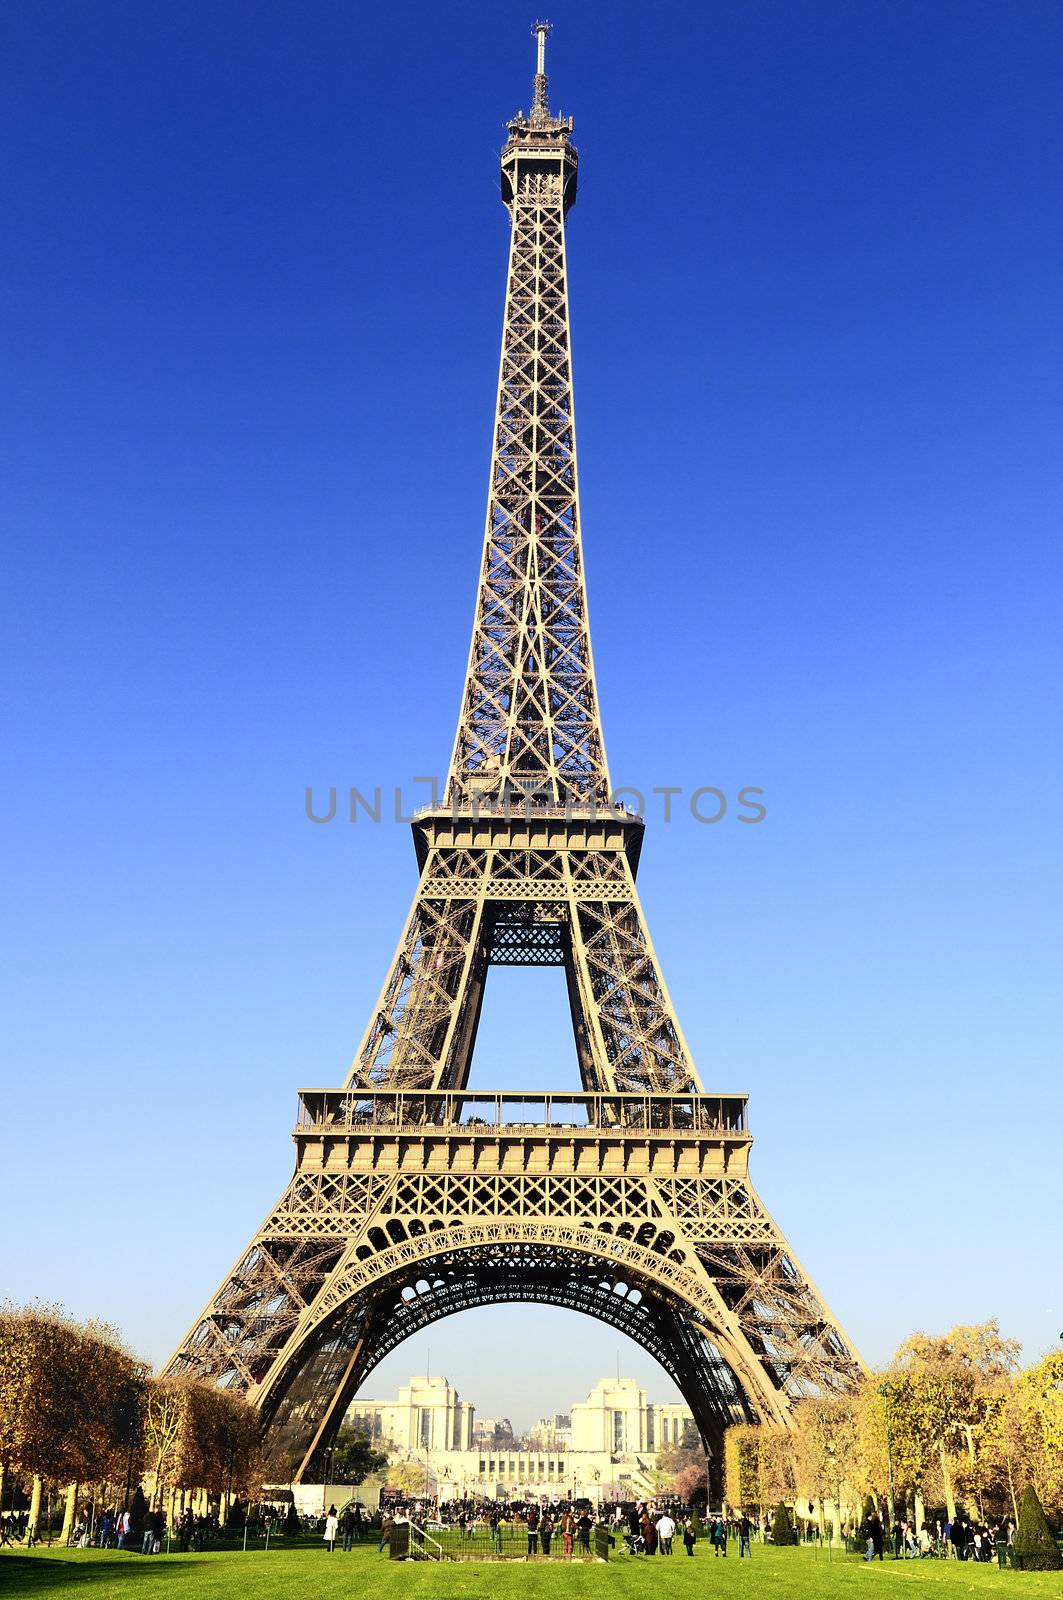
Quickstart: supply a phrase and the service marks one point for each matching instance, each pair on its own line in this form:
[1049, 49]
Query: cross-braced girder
[529, 718]
[567, 899]
[561, 1193]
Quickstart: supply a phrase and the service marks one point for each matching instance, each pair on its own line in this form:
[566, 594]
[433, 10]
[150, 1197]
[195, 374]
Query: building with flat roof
[428, 1415]
[617, 1417]
[605, 1447]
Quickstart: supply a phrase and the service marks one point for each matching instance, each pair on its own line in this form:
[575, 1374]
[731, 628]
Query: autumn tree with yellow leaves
[416, 1479]
[65, 1391]
[1039, 1424]
[950, 1420]
[198, 1437]
[741, 1456]
[77, 1408]
[758, 1466]
[947, 1391]
[826, 1452]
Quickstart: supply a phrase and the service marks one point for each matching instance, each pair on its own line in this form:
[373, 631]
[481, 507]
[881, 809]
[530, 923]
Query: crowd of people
[558, 1528]
[526, 1527]
[14, 1527]
[565, 1527]
[651, 1532]
[956, 1538]
[146, 1532]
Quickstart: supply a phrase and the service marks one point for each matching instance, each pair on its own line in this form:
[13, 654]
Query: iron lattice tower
[413, 1196]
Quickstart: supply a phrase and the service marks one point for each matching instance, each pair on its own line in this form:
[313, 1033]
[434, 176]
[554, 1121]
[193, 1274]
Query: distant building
[491, 1430]
[428, 1415]
[617, 1417]
[552, 1433]
[605, 1447]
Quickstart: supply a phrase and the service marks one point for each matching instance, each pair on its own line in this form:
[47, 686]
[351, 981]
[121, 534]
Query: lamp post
[886, 1391]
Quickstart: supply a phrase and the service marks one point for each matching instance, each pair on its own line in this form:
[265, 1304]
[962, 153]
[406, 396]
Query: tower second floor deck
[357, 1130]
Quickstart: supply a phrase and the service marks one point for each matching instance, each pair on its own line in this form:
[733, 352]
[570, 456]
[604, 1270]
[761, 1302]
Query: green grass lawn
[280, 1573]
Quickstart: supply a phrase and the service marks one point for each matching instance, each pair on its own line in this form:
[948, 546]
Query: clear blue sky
[252, 294]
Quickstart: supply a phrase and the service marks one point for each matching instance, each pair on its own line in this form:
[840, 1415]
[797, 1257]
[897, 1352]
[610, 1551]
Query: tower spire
[540, 105]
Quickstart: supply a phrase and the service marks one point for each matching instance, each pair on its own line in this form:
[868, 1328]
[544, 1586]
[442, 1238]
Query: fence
[506, 1542]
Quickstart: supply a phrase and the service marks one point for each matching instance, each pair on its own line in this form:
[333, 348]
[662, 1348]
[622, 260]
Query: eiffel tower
[415, 1197]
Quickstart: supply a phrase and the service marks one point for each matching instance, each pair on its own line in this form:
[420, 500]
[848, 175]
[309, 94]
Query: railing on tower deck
[483, 1111]
[520, 808]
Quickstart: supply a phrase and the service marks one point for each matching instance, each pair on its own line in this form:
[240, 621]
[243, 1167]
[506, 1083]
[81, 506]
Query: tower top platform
[539, 144]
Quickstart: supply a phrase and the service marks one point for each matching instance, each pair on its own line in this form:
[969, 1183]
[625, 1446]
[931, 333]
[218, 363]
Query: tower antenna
[540, 105]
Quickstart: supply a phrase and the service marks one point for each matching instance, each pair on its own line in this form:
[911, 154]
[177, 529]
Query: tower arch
[370, 1313]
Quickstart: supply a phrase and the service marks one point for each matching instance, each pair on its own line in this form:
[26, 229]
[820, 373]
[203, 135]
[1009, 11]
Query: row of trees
[78, 1410]
[953, 1420]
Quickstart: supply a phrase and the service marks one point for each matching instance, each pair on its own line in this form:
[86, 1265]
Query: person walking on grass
[665, 1534]
[332, 1527]
[872, 1533]
[690, 1534]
